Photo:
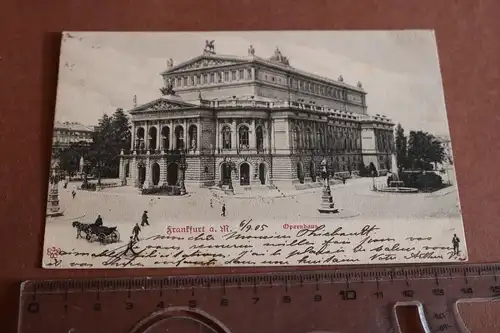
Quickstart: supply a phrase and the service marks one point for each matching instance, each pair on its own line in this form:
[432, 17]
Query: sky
[102, 71]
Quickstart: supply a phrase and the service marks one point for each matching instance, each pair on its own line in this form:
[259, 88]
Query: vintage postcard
[251, 149]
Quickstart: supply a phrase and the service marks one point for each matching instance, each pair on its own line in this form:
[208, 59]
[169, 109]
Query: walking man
[73, 193]
[130, 246]
[144, 219]
[211, 203]
[223, 210]
[136, 231]
[455, 241]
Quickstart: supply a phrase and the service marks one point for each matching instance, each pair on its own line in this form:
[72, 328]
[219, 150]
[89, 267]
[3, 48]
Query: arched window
[226, 137]
[165, 133]
[193, 136]
[243, 137]
[259, 135]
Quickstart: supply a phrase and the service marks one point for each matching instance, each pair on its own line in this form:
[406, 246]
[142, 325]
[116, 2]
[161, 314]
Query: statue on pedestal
[209, 47]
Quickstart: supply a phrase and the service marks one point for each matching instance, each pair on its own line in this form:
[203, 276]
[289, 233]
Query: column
[198, 136]
[133, 170]
[273, 138]
[287, 136]
[147, 181]
[234, 142]
[253, 73]
[253, 134]
[172, 136]
[163, 171]
[132, 137]
[217, 136]
[186, 137]
[159, 143]
[146, 136]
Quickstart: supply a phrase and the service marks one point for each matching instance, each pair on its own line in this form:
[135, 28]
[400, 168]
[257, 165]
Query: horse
[79, 228]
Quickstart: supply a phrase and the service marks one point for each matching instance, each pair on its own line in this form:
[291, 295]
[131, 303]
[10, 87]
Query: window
[226, 76]
[259, 133]
[233, 75]
[212, 78]
[195, 80]
[184, 81]
[219, 77]
[226, 138]
[242, 74]
[308, 139]
[206, 79]
[249, 74]
[296, 138]
[243, 137]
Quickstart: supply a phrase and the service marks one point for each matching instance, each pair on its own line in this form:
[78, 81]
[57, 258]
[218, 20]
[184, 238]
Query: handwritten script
[256, 243]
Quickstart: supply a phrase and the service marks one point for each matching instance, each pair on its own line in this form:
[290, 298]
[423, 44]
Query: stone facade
[252, 121]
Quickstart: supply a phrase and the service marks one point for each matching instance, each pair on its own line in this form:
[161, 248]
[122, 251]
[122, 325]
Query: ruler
[338, 301]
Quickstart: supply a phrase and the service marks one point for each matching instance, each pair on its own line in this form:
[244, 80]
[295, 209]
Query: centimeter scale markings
[343, 301]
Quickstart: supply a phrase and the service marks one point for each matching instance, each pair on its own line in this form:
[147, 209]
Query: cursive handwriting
[254, 243]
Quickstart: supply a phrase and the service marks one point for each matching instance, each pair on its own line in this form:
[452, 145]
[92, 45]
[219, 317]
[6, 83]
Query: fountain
[394, 185]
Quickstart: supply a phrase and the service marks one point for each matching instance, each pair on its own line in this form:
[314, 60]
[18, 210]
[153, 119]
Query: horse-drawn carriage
[98, 232]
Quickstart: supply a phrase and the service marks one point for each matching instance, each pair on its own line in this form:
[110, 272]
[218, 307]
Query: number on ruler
[318, 298]
[97, 307]
[467, 290]
[438, 292]
[495, 289]
[224, 302]
[408, 293]
[379, 294]
[255, 300]
[287, 299]
[160, 305]
[129, 306]
[348, 295]
[192, 303]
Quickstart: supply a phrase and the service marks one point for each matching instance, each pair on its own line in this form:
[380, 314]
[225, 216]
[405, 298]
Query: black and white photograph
[183, 149]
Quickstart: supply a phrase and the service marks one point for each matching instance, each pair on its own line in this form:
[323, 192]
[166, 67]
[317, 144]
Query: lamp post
[182, 166]
[373, 180]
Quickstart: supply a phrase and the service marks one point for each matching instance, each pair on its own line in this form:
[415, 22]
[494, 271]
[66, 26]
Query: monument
[327, 204]
[53, 208]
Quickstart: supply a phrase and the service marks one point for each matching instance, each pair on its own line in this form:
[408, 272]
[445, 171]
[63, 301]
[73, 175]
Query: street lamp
[373, 180]
[182, 166]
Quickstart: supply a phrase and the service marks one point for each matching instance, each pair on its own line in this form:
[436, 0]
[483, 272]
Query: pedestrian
[211, 203]
[136, 231]
[144, 219]
[130, 246]
[73, 193]
[455, 241]
[223, 210]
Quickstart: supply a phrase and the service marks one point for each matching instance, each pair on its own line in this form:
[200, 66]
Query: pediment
[204, 62]
[161, 104]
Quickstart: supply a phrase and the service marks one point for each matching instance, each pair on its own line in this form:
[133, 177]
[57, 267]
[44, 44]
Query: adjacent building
[252, 121]
[67, 133]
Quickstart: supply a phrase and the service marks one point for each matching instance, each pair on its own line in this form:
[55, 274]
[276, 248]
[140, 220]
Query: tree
[401, 148]
[112, 135]
[436, 153]
[423, 150]
[69, 158]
